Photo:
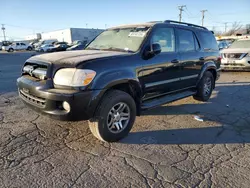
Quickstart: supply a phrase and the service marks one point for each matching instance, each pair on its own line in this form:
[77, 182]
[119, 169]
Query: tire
[106, 110]
[204, 89]
[41, 50]
[29, 48]
[11, 50]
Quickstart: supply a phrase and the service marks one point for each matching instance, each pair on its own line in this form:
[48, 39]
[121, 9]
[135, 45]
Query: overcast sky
[24, 17]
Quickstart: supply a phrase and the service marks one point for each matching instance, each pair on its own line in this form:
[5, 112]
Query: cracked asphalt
[166, 148]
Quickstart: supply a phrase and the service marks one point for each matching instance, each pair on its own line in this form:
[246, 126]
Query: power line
[190, 14]
[181, 10]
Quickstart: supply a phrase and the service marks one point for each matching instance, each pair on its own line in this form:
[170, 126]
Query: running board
[166, 99]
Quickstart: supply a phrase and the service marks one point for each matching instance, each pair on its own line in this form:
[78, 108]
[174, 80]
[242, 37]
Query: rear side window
[186, 40]
[208, 41]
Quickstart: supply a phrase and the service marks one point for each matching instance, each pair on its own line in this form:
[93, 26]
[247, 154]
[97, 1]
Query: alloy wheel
[118, 117]
[207, 87]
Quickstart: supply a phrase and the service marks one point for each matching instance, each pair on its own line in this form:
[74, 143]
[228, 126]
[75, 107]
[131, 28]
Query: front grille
[233, 64]
[37, 101]
[233, 55]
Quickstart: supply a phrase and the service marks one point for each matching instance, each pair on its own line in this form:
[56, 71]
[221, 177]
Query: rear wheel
[29, 48]
[115, 116]
[11, 50]
[205, 87]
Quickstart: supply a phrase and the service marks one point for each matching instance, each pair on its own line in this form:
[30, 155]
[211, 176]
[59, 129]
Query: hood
[74, 57]
[236, 50]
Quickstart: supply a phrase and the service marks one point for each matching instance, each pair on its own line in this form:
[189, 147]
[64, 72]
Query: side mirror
[155, 48]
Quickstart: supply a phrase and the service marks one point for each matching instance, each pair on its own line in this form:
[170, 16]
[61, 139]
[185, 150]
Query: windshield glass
[241, 44]
[120, 39]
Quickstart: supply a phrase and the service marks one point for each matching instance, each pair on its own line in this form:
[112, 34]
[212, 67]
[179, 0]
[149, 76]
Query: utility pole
[203, 15]
[226, 26]
[3, 28]
[181, 10]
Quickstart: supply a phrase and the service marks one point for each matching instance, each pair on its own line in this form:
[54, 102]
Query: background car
[47, 41]
[237, 56]
[77, 47]
[44, 48]
[59, 46]
[223, 44]
[17, 46]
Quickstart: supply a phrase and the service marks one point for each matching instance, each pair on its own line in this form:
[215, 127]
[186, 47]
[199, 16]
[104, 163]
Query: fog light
[66, 106]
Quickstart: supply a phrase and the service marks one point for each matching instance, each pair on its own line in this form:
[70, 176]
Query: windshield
[121, 39]
[241, 44]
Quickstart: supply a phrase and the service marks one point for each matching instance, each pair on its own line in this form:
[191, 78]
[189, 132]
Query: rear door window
[208, 40]
[186, 40]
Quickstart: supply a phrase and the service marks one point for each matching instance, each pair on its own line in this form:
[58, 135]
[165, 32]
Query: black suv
[123, 71]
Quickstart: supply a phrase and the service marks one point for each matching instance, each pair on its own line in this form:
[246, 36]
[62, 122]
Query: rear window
[208, 41]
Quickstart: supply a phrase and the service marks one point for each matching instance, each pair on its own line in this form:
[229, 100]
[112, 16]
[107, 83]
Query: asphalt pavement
[167, 147]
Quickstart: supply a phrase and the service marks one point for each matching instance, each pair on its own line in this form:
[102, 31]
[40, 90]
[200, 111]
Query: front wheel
[115, 116]
[205, 87]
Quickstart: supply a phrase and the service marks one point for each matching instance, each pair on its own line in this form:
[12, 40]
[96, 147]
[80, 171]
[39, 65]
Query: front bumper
[49, 101]
[236, 64]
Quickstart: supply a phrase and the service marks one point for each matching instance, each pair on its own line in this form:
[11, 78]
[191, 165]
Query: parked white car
[237, 56]
[44, 48]
[17, 46]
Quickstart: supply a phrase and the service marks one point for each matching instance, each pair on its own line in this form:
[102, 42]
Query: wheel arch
[133, 88]
[208, 66]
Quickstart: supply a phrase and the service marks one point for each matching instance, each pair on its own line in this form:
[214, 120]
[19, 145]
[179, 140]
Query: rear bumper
[50, 101]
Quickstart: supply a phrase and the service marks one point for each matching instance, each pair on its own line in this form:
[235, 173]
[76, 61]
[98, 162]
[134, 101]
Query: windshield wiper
[118, 49]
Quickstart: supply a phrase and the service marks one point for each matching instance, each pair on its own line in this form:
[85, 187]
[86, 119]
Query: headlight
[74, 77]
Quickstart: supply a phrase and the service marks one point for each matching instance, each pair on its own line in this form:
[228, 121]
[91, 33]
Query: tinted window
[186, 40]
[165, 38]
[17, 43]
[208, 41]
[22, 44]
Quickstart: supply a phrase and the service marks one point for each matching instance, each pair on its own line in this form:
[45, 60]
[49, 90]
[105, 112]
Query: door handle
[175, 61]
[201, 58]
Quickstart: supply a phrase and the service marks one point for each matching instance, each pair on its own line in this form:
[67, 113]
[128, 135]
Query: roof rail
[184, 23]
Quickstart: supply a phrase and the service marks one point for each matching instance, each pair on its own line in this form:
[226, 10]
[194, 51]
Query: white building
[71, 34]
[36, 36]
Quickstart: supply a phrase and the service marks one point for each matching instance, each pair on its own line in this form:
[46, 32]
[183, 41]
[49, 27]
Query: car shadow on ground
[229, 108]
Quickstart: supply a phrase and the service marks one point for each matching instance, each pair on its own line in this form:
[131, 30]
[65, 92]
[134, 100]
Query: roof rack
[184, 23]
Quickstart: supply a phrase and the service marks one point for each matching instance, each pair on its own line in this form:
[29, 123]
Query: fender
[207, 65]
[113, 78]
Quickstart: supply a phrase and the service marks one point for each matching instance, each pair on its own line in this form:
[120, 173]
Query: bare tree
[216, 31]
[236, 26]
